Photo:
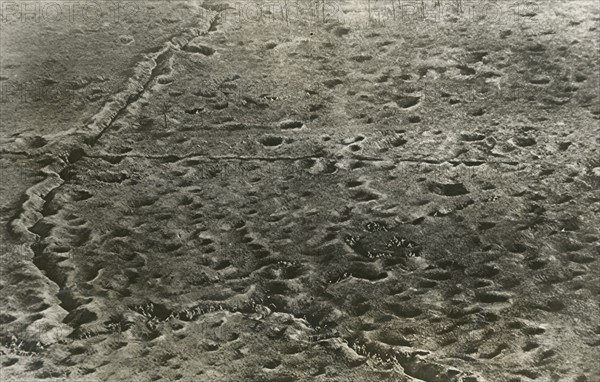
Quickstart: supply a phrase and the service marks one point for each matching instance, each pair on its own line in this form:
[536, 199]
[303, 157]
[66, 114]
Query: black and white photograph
[300, 190]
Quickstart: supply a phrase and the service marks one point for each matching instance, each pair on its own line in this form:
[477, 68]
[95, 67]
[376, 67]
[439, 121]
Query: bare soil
[348, 191]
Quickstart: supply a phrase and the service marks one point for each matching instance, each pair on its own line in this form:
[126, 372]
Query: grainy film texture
[299, 190]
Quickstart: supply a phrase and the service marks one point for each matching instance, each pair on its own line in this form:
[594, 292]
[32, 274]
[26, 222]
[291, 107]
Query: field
[306, 190]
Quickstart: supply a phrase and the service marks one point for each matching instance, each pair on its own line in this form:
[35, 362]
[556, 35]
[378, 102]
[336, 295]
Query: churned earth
[301, 191]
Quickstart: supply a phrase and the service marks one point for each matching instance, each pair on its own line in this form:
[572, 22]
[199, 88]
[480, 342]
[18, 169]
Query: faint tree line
[399, 5]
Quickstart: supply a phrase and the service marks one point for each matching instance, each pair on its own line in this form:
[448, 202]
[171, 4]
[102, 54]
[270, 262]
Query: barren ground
[221, 191]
